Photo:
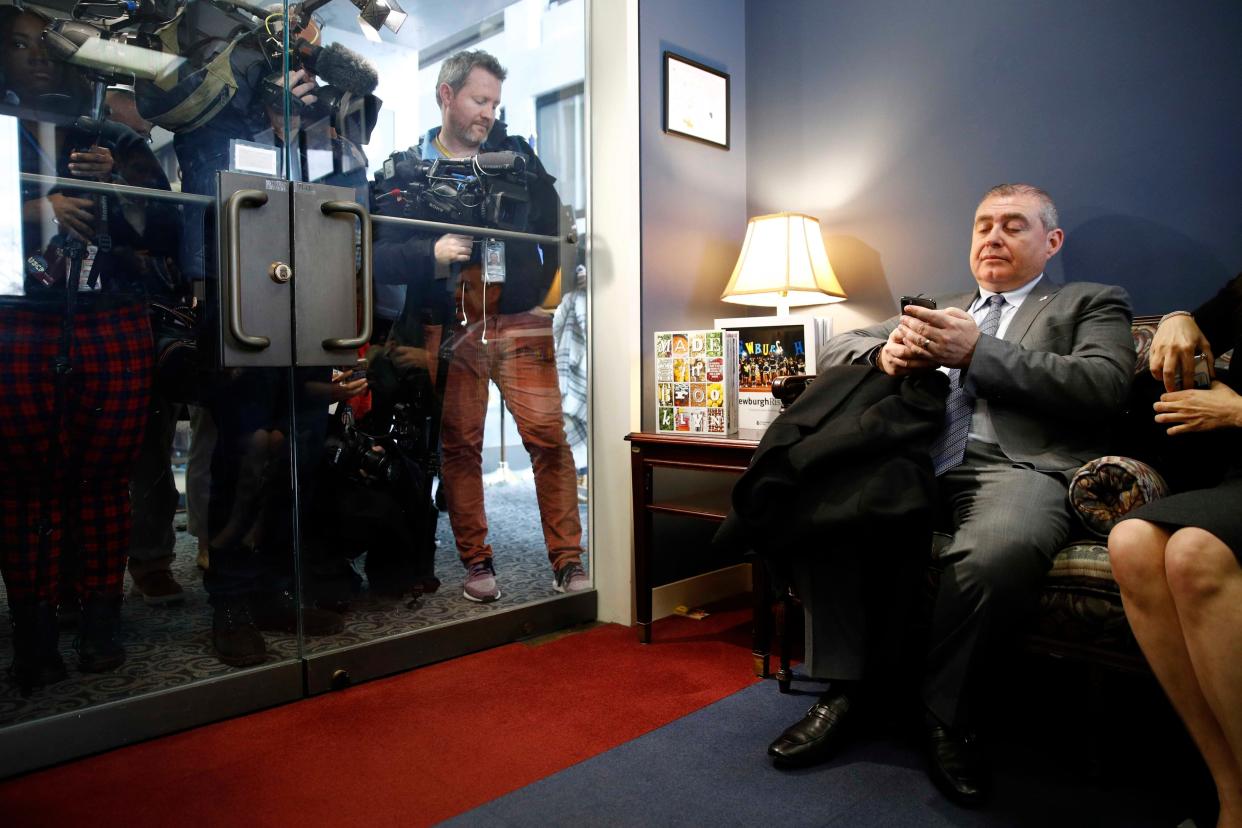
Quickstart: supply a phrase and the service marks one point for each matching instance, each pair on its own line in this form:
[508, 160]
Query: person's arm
[1200, 410]
[400, 256]
[1218, 317]
[545, 219]
[1080, 368]
[151, 224]
[1181, 335]
[855, 346]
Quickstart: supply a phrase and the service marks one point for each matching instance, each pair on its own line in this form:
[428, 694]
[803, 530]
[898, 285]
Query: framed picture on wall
[696, 101]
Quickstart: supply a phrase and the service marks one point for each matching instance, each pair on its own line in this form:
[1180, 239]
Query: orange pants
[519, 357]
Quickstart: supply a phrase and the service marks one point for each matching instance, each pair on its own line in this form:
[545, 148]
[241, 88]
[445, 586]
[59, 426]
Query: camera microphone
[506, 161]
[489, 163]
[341, 67]
[404, 171]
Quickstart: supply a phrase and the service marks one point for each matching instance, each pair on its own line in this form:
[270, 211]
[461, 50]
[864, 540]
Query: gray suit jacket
[1055, 380]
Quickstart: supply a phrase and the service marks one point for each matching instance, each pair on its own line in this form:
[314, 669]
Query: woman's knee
[1136, 551]
[1197, 565]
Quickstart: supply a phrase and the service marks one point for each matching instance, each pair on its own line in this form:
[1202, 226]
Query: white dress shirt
[981, 421]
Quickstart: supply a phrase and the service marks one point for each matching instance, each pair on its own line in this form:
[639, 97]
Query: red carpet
[408, 750]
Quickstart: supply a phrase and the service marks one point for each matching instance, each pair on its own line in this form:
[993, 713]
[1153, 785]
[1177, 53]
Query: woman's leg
[1138, 553]
[1205, 580]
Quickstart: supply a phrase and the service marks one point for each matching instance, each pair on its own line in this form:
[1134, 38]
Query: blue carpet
[710, 769]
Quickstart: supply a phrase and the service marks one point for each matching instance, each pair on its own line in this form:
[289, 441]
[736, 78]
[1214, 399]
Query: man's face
[469, 114]
[1010, 244]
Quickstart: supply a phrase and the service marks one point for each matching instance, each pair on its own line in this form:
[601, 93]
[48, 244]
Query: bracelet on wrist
[1172, 314]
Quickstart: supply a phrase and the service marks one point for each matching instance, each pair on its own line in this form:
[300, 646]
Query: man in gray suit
[1035, 371]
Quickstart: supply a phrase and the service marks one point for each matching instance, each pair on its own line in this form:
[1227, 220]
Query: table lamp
[783, 263]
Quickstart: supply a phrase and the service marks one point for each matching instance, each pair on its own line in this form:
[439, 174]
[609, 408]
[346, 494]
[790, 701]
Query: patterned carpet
[170, 646]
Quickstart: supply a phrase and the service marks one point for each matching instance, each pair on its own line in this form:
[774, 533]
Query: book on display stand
[771, 347]
[696, 382]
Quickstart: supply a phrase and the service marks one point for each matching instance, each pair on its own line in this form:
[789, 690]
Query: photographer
[483, 296]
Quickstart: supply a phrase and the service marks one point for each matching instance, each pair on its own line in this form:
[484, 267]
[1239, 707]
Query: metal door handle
[368, 289]
[232, 228]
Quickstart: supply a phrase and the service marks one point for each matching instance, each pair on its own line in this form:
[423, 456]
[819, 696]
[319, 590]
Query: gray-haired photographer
[473, 311]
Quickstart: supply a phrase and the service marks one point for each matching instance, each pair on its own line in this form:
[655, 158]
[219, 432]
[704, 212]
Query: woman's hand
[73, 214]
[1202, 410]
[95, 163]
[1173, 351]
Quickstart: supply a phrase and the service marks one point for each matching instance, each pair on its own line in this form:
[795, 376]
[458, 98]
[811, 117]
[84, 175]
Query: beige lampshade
[783, 263]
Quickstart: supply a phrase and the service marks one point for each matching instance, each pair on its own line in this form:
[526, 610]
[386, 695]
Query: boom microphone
[341, 67]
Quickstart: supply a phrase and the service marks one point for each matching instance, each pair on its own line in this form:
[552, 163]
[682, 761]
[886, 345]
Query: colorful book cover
[768, 348]
[696, 382]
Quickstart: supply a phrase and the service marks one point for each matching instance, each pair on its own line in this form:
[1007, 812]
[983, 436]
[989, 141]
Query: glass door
[445, 502]
[298, 376]
[146, 479]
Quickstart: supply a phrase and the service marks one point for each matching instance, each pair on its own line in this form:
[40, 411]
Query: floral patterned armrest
[1105, 489]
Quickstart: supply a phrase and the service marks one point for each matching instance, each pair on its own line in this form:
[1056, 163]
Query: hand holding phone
[921, 301]
[1203, 376]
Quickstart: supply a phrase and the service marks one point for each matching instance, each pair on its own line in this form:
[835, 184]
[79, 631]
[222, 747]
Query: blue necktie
[950, 447]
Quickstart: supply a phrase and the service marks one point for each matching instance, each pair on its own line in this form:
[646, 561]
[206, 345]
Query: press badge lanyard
[493, 257]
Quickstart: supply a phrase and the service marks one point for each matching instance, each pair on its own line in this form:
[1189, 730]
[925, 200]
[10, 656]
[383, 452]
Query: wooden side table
[729, 455]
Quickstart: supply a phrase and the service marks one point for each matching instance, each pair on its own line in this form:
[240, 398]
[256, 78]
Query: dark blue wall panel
[888, 119]
[693, 194]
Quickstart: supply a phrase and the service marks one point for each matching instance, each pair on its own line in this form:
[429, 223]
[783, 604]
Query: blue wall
[693, 195]
[888, 119]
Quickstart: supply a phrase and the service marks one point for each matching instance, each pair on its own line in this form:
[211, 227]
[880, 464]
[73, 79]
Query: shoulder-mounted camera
[491, 189]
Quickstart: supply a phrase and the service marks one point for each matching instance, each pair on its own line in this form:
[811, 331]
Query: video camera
[491, 189]
[94, 41]
[125, 41]
[377, 459]
[349, 78]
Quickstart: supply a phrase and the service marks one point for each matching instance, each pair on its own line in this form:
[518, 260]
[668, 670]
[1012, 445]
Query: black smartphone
[1203, 378]
[921, 301]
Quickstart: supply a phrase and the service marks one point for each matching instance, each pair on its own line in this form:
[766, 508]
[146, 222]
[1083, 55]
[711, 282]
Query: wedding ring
[926, 342]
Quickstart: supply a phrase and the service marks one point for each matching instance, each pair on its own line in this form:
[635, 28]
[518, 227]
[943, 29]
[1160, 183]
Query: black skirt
[1217, 510]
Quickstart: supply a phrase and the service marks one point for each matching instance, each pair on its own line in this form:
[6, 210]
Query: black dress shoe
[956, 766]
[816, 736]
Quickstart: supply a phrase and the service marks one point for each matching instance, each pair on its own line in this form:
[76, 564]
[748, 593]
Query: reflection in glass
[10, 205]
[475, 306]
[77, 345]
[199, 488]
